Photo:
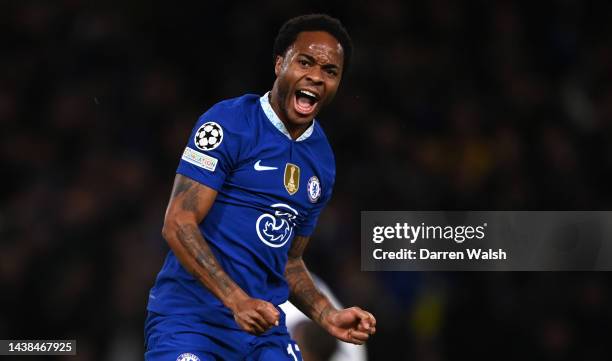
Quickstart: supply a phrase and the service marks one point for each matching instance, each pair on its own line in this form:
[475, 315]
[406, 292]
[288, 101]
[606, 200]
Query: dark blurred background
[472, 105]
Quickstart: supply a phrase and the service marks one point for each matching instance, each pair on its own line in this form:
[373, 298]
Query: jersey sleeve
[310, 222]
[213, 148]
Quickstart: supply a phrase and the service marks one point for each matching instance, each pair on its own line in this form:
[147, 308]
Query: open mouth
[305, 102]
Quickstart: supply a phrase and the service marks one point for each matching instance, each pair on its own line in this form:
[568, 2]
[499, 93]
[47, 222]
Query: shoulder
[228, 124]
[234, 110]
[322, 144]
[233, 115]
[323, 154]
[238, 103]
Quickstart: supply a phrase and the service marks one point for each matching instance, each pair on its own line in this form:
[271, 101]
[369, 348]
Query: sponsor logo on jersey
[258, 167]
[292, 178]
[276, 229]
[199, 159]
[313, 188]
[187, 357]
[209, 136]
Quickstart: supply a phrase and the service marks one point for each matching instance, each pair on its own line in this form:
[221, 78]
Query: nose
[315, 75]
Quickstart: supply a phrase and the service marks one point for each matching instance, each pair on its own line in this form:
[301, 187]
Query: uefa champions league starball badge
[313, 188]
[187, 357]
[209, 136]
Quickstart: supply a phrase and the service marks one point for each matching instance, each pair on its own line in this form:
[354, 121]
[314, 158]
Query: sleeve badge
[209, 136]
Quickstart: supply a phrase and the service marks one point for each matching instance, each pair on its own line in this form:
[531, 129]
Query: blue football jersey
[270, 188]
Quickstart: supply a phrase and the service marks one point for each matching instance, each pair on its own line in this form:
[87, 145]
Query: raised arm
[352, 325]
[189, 204]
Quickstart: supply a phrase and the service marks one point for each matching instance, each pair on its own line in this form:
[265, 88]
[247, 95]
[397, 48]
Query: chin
[301, 119]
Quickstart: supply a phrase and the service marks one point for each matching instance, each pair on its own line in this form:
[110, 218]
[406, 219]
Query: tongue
[304, 105]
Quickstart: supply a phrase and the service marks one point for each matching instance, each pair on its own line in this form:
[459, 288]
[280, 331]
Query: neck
[295, 130]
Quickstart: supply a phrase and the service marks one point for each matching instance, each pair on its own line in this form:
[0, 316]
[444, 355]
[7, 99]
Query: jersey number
[291, 352]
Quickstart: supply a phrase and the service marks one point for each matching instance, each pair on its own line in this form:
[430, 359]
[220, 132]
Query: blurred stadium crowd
[475, 105]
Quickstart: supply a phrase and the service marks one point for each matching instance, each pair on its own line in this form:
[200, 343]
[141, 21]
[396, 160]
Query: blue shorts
[187, 338]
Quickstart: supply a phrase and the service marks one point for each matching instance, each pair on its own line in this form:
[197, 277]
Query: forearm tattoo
[304, 294]
[191, 238]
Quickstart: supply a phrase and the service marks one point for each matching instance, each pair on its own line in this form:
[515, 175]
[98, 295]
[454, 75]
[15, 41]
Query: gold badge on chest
[292, 178]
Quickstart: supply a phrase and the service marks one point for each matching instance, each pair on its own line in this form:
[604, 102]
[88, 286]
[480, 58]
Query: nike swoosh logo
[258, 167]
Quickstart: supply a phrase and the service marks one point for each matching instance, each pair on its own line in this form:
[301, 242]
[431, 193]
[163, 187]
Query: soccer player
[250, 185]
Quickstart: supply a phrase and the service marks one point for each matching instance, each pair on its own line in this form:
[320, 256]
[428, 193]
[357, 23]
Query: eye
[332, 72]
[304, 63]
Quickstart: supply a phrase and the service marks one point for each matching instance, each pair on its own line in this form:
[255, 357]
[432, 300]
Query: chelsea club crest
[187, 357]
[313, 188]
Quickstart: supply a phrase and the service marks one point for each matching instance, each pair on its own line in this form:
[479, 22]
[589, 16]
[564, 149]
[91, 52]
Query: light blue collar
[278, 124]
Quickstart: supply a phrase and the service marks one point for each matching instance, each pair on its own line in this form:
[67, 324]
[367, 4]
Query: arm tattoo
[297, 247]
[304, 294]
[185, 187]
[326, 310]
[190, 237]
[189, 204]
[190, 200]
[182, 186]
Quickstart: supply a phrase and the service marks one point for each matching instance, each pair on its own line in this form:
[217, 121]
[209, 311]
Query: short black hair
[312, 22]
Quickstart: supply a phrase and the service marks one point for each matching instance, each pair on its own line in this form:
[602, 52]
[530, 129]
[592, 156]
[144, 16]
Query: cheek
[294, 73]
[289, 77]
[284, 87]
[332, 89]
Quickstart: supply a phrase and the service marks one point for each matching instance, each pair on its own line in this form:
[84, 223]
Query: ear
[278, 64]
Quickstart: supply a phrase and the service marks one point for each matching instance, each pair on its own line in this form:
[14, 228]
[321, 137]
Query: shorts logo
[292, 178]
[187, 357]
[313, 188]
[209, 136]
[275, 230]
[199, 159]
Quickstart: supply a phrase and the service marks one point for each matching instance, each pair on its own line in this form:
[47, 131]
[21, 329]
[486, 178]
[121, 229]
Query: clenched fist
[352, 325]
[255, 316]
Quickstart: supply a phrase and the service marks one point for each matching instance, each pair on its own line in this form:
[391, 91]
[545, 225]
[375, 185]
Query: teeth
[310, 94]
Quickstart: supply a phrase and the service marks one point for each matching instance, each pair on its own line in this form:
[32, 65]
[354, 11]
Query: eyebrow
[325, 66]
